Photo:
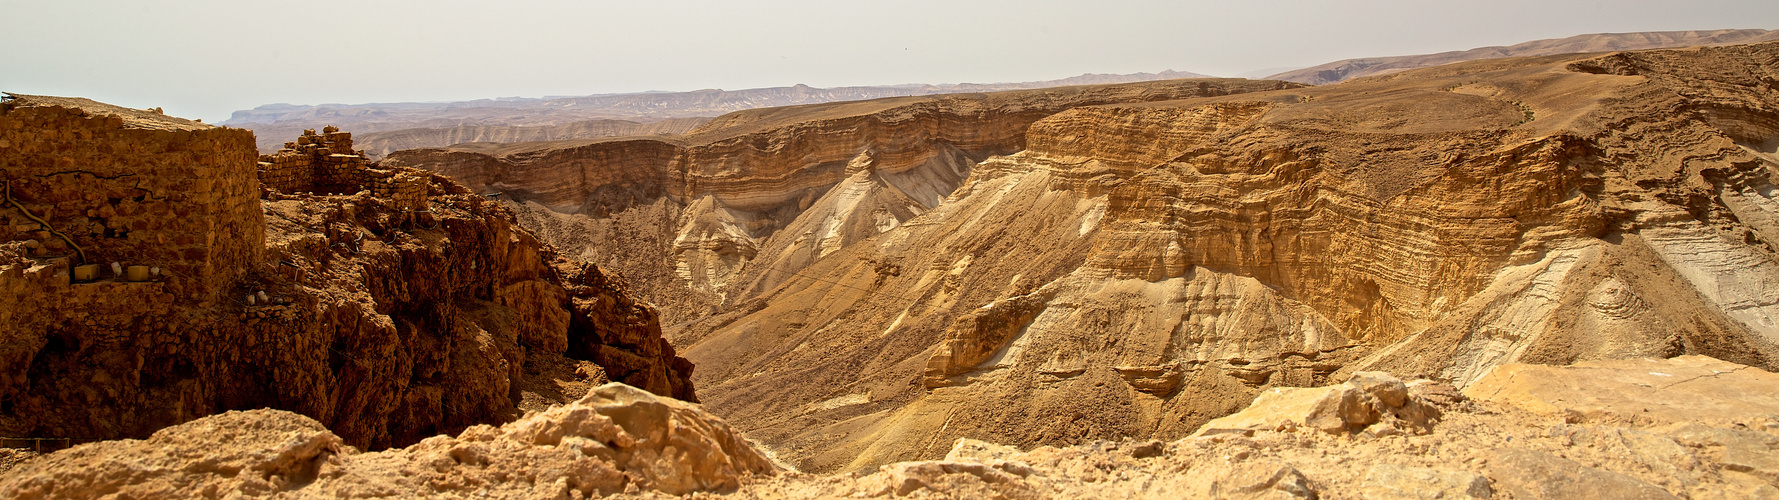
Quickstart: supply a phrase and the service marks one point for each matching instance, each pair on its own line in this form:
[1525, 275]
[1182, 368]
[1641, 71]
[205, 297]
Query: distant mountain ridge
[380, 144]
[274, 122]
[1343, 70]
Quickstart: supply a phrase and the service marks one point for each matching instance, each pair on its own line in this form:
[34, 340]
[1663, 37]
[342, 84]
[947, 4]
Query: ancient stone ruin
[325, 163]
[152, 272]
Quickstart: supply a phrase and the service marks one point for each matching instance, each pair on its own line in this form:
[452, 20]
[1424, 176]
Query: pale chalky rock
[1363, 400]
[1395, 482]
[1538, 475]
[1635, 391]
[615, 439]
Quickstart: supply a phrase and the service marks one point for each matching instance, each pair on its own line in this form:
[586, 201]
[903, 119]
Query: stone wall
[177, 200]
[325, 163]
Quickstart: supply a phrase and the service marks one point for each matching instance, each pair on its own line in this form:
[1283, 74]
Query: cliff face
[386, 303]
[705, 204]
[1140, 269]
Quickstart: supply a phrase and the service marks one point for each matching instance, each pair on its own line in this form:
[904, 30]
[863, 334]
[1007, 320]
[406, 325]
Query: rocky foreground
[1687, 427]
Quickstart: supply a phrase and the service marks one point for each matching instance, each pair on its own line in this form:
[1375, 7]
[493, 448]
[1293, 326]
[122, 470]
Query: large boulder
[1374, 402]
[618, 438]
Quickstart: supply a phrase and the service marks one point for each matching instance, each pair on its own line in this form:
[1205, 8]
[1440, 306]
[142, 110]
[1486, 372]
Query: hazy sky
[204, 59]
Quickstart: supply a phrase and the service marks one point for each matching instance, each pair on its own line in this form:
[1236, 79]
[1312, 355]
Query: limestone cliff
[1139, 269]
[152, 272]
[683, 216]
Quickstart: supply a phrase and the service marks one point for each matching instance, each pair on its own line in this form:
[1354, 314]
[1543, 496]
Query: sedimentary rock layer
[705, 204]
[1140, 269]
[147, 277]
[273, 122]
[1347, 69]
[379, 144]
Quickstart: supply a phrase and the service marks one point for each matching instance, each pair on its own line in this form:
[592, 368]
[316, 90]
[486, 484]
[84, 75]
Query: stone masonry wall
[325, 163]
[179, 200]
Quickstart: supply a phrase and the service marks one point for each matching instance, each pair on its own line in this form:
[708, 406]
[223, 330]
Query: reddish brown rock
[387, 303]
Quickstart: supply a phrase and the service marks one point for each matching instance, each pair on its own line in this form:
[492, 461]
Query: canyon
[1136, 270]
[1524, 277]
[681, 216]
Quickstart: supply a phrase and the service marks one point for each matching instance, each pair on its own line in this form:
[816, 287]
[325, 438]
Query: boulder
[615, 439]
[1366, 399]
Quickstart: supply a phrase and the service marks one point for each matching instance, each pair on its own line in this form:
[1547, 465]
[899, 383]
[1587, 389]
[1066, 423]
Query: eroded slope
[1140, 269]
[683, 216]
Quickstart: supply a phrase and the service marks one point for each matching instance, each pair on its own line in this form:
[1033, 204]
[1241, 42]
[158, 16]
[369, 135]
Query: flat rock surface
[1639, 391]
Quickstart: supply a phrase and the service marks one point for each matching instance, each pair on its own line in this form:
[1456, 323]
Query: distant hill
[1348, 69]
[275, 123]
[379, 144]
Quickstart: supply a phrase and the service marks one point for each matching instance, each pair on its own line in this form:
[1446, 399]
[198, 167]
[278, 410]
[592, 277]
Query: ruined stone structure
[177, 196]
[326, 164]
[148, 277]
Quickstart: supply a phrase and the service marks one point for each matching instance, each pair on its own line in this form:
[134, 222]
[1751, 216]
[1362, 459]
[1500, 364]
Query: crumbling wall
[325, 163]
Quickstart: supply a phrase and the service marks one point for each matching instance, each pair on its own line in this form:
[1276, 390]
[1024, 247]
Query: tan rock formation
[1643, 392]
[1476, 449]
[1347, 69]
[380, 144]
[1138, 270]
[512, 119]
[1373, 402]
[616, 439]
[151, 273]
[622, 440]
[794, 183]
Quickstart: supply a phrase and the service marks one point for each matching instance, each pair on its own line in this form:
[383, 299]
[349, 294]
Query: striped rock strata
[1140, 269]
